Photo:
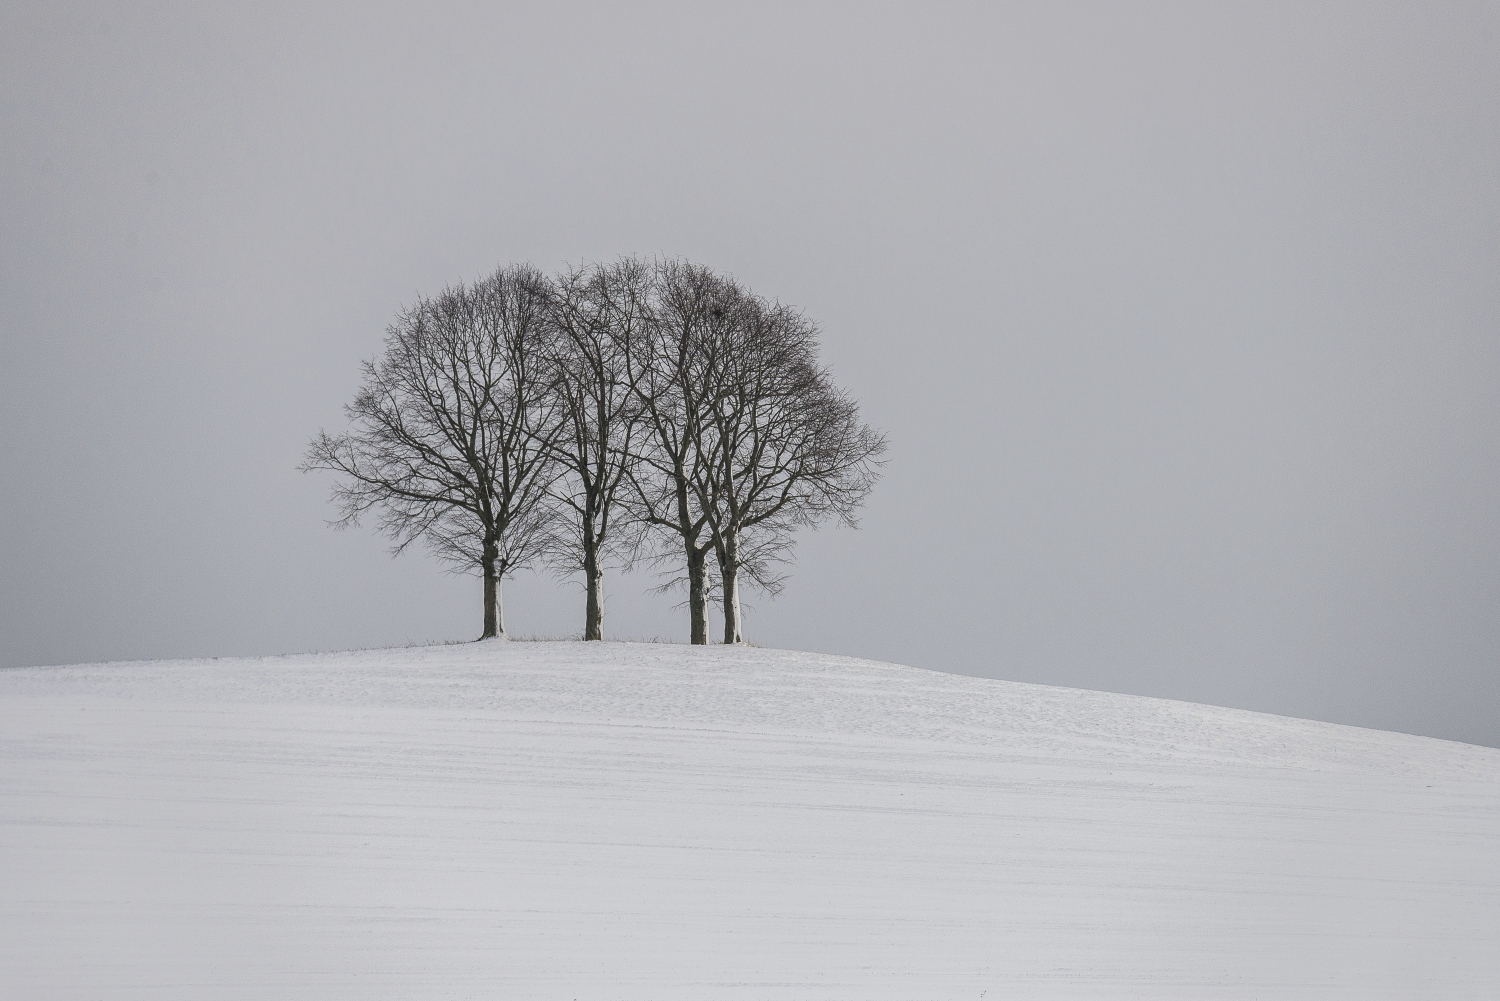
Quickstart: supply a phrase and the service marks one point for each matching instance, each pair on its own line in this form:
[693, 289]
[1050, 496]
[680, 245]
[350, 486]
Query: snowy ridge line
[893, 700]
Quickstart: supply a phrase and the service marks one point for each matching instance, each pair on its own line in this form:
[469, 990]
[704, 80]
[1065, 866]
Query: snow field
[567, 820]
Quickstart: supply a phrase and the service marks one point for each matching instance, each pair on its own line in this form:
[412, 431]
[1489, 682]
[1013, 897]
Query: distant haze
[1183, 320]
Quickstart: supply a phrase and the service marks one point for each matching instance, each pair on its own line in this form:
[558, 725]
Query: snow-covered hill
[561, 820]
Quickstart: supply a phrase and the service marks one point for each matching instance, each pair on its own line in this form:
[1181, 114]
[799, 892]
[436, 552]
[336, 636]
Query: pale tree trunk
[494, 614]
[698, 594]
[729, 565]
[593, 625]
[499, 609]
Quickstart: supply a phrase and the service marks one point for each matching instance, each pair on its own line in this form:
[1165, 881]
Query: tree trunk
[698, 594]
[593, 616]
[492, 626]
[499, 610]
[697, 557]
[729, 564]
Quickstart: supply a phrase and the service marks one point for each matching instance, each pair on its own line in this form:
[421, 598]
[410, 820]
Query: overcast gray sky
[1183, 320]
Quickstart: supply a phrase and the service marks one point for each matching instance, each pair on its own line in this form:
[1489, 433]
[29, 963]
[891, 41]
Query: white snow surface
[600, 821]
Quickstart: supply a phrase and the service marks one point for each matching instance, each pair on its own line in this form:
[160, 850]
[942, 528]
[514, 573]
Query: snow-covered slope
[561, 820]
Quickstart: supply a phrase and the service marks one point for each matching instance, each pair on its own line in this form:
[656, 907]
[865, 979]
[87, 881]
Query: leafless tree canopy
[691, 308]
[599, 313]
[451, 433]
[571, 419]
[785, 447]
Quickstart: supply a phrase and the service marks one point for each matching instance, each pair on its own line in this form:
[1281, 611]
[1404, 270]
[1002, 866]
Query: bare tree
[451, 436]
[786, 447]
[675, 385]
[600, 313]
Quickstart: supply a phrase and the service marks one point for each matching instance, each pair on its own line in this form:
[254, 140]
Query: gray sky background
[1184, 320]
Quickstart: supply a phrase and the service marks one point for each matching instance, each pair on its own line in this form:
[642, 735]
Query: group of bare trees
[640, 410]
